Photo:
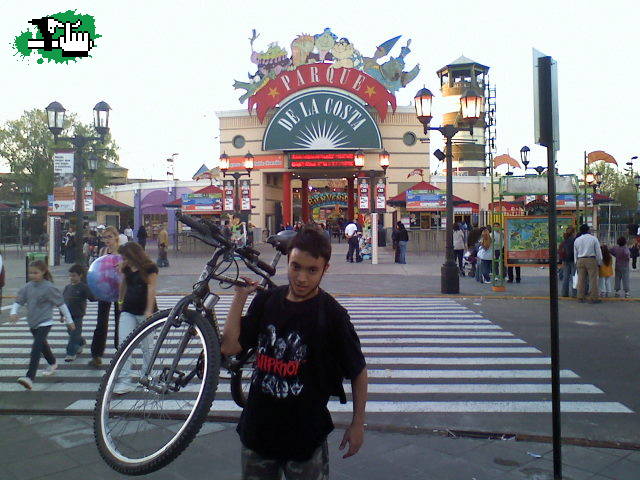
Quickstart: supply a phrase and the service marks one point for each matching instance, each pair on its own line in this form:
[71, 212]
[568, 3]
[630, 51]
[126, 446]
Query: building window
[409, 139]
[239, 141]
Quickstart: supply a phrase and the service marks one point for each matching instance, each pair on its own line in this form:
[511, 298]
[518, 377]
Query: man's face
[305, 272]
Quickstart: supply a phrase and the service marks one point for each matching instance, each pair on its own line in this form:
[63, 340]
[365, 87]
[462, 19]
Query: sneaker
[124, 387]
[95, 362]
[79, 351]
[487, 282]
[69, 358]
[26, 382]
[617, 294]
[626, 294]
[50, 370]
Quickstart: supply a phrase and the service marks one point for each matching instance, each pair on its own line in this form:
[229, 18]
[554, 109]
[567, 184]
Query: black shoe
[510, 280]
[517, 280]
[596, 301]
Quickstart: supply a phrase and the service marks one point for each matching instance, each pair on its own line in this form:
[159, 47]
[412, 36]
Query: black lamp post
[471, 104]
[55, 119]
[25, 191]
[224, 167]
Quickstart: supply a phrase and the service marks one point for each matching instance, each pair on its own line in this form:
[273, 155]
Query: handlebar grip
[266, 267]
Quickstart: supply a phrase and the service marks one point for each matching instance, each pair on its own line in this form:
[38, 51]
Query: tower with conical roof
[455, 79]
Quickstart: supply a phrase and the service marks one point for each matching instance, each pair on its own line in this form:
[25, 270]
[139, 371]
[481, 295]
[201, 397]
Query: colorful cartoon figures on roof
[326, 47]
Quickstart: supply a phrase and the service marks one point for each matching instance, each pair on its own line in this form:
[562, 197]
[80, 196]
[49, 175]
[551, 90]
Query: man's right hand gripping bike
[160, 385]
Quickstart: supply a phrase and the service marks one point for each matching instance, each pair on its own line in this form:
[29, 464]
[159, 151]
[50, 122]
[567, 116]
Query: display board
[527, 239]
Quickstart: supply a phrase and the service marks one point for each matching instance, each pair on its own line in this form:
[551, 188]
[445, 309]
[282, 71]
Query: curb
[381, 428]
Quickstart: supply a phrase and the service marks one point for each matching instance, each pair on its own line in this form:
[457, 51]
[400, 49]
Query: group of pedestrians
[137, 301]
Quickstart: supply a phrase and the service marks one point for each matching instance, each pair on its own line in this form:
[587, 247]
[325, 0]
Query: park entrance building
[310, 114]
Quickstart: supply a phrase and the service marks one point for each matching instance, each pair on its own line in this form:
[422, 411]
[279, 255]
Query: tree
[27, 145]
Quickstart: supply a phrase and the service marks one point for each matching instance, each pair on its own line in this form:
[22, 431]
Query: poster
[88, 197]
[363, 195]
[381, 195]
[202, 203]
[228, 191]
[426, 200]
[527, 239]
[63, 188]
[245, 195]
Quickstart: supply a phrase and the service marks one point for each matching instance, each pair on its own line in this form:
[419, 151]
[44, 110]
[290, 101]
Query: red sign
[259, 162]
[321, 75]
[228, 189]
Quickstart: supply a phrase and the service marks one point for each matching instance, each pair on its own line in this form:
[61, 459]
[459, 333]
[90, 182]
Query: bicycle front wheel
[142, 423]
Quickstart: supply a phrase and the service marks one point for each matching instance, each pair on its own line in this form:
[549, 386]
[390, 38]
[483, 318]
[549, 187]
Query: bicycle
[177, 378]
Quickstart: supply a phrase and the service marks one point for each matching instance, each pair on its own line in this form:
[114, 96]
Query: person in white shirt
[587, 256]
[351, 232]
[129, 232]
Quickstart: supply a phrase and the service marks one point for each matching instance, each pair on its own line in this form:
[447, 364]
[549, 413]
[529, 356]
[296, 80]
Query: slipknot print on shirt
[279, 362]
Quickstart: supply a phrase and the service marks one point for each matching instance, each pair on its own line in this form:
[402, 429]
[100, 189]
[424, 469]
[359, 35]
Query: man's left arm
[354, 435]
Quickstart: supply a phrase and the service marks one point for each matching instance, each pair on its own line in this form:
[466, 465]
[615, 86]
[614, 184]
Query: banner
[527, 239]
[229, 190]
[245, 195]
[63, 188]
[363, 195]
[426, 200]
[381, 195]
[202, 203]
[259, 162]
[89, 203]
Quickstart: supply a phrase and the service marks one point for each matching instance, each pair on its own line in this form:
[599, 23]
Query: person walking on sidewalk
[568, 262]
[142, 236]
[485, 254]
[458, 246]
[634, 251]
[351, 233]
[40, 296]
[137, 300]
[110, 237]
[588, 256]
[163, 247]
[75, 296]
[306, 344]
[622, 255]
[402, 238]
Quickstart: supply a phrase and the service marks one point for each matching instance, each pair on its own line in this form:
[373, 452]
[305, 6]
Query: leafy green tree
[27, 146]
[616, 184]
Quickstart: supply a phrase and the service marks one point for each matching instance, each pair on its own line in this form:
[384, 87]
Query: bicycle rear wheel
[145, 425]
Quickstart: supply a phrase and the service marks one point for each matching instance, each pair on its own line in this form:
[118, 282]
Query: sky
[166, 67]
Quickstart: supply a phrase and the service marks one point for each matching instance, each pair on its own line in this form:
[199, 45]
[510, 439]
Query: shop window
[409, 139]
[238, 141]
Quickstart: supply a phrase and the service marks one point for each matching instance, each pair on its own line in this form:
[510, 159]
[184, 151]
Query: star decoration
[370, 91]
[273, 92]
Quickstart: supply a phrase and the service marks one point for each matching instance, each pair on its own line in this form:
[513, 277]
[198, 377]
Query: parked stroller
[470, 261]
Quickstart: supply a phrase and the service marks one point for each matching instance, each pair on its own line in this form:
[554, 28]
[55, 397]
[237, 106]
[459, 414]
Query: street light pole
[471, 104]
[55, 117]
[224, 167]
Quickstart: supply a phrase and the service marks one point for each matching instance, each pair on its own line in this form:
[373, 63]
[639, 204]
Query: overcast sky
[165, 67]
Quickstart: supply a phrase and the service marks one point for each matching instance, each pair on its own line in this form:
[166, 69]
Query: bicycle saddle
[281, 240]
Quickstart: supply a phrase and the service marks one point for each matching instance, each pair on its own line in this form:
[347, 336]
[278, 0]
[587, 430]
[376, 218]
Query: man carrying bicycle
[305, 344]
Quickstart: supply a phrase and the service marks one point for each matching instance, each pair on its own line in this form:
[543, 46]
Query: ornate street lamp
[384, 160]
[248, 162]
[524, 156]
[101, 118]
[471, 105]
[55, 118]
[358, 159]
[224, 162]
[224, 168]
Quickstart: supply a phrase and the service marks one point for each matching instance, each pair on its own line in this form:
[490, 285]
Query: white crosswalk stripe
[424, 355]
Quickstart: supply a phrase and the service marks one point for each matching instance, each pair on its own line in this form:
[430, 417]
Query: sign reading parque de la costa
[322, 120]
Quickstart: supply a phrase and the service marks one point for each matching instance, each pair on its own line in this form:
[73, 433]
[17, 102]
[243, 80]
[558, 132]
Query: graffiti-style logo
[60, 37]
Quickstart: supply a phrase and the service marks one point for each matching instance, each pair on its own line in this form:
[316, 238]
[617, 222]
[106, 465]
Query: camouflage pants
[256, 467]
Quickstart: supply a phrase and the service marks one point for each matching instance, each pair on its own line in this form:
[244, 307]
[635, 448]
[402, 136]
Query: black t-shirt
[135, 297]
[286, 416]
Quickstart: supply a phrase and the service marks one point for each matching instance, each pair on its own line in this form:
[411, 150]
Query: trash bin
[31, 257]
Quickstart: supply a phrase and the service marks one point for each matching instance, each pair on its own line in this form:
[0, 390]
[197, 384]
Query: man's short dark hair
[584, 228]
[311, 239]
[78, 269]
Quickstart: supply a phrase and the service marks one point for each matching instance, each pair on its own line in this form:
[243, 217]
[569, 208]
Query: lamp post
[471, 104]
[383, 161]
[25, 191]
[594, 180]
[55, 119]
[224, 167]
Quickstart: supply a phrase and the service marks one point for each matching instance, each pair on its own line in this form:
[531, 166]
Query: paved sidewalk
[420, 276]
[62, 448]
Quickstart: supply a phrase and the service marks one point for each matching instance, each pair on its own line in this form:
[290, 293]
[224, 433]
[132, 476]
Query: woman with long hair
[458, 246]
[486, 255]
[402, 238]
[137, 300]
[110, 237]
